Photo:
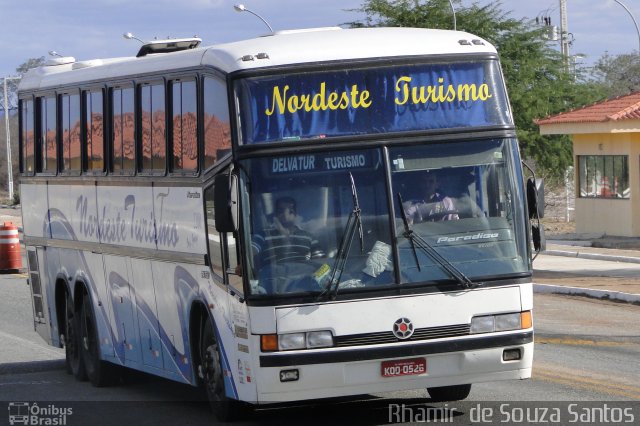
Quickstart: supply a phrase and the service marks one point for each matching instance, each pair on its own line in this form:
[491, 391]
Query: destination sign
[315, 106]
[323, 162]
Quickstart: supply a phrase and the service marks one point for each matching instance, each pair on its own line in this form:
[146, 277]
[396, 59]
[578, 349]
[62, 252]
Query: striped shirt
[273, 246]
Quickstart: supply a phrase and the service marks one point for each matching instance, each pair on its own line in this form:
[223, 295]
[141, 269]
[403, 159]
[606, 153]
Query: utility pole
[564, 33]
[8, 132]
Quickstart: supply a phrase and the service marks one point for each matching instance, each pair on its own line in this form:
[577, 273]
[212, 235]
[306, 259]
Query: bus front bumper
[295, 376]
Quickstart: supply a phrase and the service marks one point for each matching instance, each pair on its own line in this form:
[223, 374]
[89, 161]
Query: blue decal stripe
[225, 365]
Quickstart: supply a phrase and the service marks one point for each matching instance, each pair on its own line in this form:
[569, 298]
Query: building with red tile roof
[606, 149]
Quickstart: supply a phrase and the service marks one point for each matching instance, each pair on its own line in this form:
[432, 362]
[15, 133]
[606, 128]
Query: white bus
[150, 190]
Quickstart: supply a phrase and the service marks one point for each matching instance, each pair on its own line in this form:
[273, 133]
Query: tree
[538, 82]
[12, 85]
[12, 88]
[619, 74]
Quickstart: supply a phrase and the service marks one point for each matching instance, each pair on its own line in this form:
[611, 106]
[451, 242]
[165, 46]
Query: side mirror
[535, 198]
[225, 201]
[539, 240]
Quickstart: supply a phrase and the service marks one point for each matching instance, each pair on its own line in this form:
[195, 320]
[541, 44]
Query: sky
[89, 29]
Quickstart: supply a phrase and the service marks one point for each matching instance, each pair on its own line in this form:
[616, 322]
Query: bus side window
[234, 269]
[71, 146]
[94, 131]
[217, 130]
[123, 151]
[46, 128]
[27, 143]
[223, 247]
[153, 128]
[183, 142]
[214, 238]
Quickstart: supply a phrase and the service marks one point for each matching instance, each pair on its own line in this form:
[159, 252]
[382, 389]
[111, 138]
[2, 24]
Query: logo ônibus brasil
[26, 413]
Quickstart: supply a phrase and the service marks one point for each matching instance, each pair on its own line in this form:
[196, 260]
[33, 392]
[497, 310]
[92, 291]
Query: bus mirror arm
[535, 205]
[225, 201]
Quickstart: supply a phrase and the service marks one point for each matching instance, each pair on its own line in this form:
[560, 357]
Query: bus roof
[278, 49]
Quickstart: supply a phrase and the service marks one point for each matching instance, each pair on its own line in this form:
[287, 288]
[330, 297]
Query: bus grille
[388, 336]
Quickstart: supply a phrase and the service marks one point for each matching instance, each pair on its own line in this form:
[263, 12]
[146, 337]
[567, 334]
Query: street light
[634, 21]
[130, 36]
[453, 11]
[6, 125]
[242, 8]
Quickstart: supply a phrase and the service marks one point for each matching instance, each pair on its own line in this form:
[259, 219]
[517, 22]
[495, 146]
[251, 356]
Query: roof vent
[168, 46]
[59, 60]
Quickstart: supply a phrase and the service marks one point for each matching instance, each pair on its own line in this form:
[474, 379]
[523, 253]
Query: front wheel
[225, 409]
[449, 393]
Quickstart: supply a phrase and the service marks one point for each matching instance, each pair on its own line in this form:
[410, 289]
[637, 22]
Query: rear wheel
[99, 372]
[225, 409]
[449, 393]
[73, 357]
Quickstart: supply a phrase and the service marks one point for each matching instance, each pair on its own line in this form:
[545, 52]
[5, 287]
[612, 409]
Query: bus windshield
[461, 199]
[299, 208]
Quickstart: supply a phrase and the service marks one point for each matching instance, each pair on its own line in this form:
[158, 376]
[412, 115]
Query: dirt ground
[557, 227]
[582, 281]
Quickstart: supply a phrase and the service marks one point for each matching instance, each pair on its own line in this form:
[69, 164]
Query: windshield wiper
[417, 241]
[354, 222]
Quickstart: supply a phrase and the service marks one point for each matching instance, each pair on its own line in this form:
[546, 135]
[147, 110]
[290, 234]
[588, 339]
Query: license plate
[403, 367]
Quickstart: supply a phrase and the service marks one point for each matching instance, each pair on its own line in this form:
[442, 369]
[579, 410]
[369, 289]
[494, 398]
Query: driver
[434, 206]
[284, 241]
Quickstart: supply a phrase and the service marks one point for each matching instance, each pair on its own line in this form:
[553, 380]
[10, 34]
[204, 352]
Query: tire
[224, 408]
[99, 372]
[449, 393]
[73, 357]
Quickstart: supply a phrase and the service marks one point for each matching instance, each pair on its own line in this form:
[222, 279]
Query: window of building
[123, 155]
[71, 147]
[217, 131]
[603, 176]
[153, 128]
[27, 143]
[184, 141]
[94, 122]
[47, 135]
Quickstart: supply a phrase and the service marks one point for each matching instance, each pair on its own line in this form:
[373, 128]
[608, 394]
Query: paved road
[18, 341]
[586, 350]
[587, 267]
[599, 278]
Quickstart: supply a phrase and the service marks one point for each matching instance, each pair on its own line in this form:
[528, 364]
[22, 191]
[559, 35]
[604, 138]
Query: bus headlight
[482, 324]
[508, 322]
[502, 322]
[319, 339]
[290, 341]
[293, 341]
